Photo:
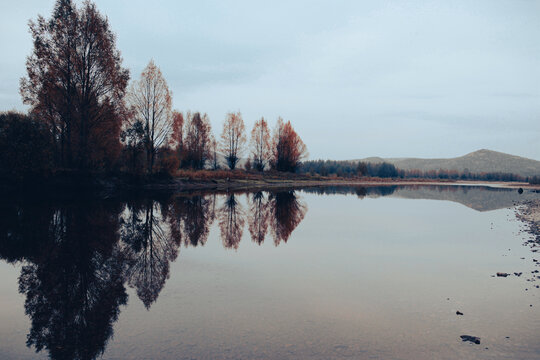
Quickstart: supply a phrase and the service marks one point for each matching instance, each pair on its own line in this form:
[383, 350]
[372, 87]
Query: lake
[316, 273]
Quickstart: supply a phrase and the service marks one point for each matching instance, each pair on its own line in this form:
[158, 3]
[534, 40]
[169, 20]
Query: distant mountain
[475, 162]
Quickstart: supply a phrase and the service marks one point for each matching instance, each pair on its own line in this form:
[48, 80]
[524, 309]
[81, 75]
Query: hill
[481, 161]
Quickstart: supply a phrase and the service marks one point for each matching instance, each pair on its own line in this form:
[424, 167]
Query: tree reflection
[191, 217]
[77, 256]
[73, 284]
[260, 214]
[231, 222]
[150, 247]
[287, 213]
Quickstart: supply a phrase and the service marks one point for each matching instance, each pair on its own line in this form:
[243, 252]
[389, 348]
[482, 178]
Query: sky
[355, 78]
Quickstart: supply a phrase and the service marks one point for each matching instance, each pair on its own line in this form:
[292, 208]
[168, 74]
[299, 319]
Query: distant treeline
[348, 169]
[353, 169]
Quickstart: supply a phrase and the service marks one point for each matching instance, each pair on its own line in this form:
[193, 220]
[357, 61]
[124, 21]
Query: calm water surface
[361, 273]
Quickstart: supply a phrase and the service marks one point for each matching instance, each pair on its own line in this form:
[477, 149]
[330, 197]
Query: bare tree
[197, 137]
[176, 140]
[260, 144]
[233, 139]
[151, 104]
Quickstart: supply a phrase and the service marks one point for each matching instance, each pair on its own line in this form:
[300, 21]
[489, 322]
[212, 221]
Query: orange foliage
[287, 148]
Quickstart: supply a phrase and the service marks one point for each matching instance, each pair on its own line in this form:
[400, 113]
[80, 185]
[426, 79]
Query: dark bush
[26, 147]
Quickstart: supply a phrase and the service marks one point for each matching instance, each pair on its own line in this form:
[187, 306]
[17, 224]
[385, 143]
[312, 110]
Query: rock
[459, 313]
[501, 274]
[473, 339]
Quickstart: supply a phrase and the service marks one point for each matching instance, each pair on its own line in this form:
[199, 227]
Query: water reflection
[286, 213]
[79, 257]
[72, 278]
[479, 198]
[260, 215]
[148, 247]
[231, 222]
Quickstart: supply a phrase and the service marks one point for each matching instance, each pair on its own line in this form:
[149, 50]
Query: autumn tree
[233, 139]
[151, 103]
[260, 144]
[76, 84]
[176, 140]
[288, 149]
[197, 137]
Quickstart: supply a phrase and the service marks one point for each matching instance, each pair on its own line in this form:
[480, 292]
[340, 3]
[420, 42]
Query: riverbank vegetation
[86, 118]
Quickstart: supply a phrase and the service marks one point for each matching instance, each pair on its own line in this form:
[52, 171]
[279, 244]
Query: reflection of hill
[480, 198]
[477, 198]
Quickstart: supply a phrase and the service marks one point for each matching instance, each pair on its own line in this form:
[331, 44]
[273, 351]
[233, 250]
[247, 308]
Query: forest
[87, 116]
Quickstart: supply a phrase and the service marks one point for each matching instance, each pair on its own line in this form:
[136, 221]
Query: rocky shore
[529, 213]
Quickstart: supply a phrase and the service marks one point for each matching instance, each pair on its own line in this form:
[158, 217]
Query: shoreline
[239, 184]
[529, 213]
[240, 181]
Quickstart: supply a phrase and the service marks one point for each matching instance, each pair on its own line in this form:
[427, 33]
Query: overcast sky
[356, 78]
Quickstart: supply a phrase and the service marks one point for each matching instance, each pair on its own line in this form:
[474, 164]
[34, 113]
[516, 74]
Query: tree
[361, 169]
[133, 138]
[260, 144]
[287, 148]
[176, 140]
[76, 84]
[233, 139]
[25, 147]
[151, 103]
[197, 140]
